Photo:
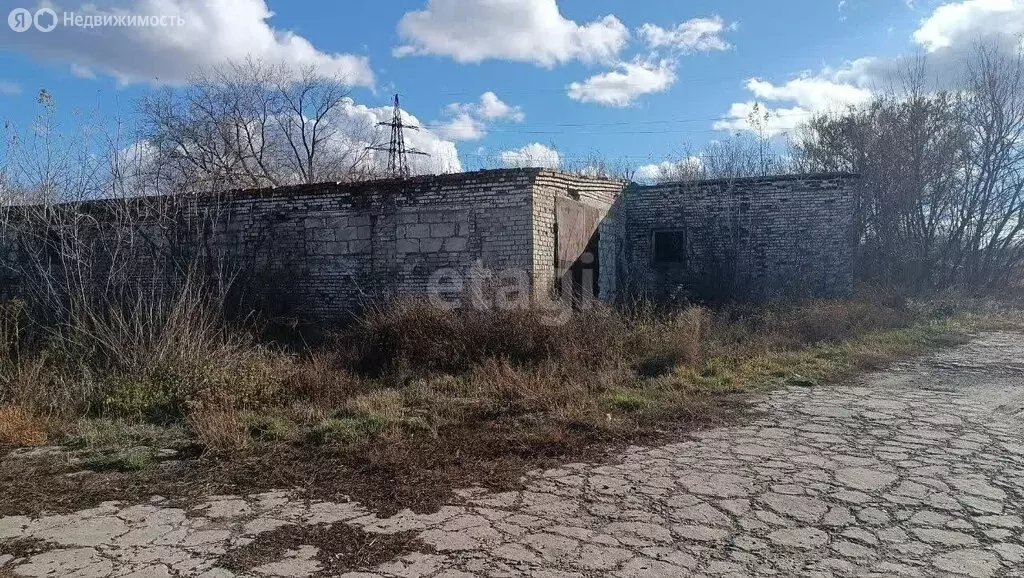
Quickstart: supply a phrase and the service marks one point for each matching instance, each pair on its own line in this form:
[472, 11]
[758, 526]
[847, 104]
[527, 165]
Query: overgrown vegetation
[411, 370]
[98, 360]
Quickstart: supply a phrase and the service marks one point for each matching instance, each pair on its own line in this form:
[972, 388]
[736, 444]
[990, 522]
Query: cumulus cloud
[757, 116]
[531, 155]
[960, 23]
[469, 121]
[9, 88]
[623, 86]
[531, 31]
[809, 92]
[652, 172]
[490, 107]
[948, 36]
[668, 170]
[778, 108]
[695, 35]
[444, 157]
[210, 34]
[651, 74]
[462, 127]
[535, 31]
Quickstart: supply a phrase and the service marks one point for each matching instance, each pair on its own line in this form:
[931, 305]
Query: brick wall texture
[323, 251]
[754, 238]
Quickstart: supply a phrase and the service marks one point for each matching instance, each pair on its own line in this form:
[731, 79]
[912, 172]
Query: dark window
[669, 247]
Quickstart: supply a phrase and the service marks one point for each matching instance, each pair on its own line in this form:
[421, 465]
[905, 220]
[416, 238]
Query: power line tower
[398, 155]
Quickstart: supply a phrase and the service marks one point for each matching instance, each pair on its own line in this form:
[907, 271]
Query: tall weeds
[405, 368]
[141, 358]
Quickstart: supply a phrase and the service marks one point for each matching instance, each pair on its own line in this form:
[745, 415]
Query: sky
[512, 82]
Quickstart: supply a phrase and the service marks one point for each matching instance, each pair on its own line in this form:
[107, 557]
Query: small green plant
[270, 428]
[628, 401]
[101, 433]
[345, 429]
[159, 397]
[130, 460]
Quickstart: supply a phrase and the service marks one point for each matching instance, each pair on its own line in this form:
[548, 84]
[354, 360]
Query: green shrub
[158, 398]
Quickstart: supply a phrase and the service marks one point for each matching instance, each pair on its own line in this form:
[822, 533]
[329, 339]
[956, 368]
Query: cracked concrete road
[914, 471]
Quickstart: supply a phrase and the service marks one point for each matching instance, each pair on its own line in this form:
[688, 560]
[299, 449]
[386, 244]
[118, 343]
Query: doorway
[577, 255]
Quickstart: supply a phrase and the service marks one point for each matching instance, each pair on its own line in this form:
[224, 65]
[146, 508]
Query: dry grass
[411, 380]
[218, 426]
[18, 427]
[399, 435]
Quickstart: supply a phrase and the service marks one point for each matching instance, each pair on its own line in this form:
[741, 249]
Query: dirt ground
[917, 470]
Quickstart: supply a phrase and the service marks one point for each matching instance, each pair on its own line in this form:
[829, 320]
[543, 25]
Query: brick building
[322, 251]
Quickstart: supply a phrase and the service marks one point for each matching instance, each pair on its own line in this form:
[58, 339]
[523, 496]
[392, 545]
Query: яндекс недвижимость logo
[46, 19]
[21, 19]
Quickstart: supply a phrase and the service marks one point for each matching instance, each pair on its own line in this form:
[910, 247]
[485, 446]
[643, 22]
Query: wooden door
[576, 248]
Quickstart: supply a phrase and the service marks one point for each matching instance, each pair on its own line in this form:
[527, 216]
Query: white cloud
[758, 117]
[622, 87]
[949, 35]
[669, 170]
[652, 172]
[695, 35]
[810, 92]
[462, 127]
[469, 121]
[531, 155]
[521, 30]
[492, 108]
[444, 157]
[9, 88]
[779, 108]
[963, 22]
[212, 33]
[652, 74]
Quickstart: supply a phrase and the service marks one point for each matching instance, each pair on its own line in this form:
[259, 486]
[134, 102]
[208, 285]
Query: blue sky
[653, 78]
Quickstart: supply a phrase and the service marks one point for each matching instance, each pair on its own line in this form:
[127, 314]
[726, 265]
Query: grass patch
[134, 459]
[413, 370]
[270, 427]
[19, 427]
[104, 433]
[404, 403]
[345, 429]
[628, 401]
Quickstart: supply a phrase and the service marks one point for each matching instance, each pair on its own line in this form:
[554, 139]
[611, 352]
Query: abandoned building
[322, 251]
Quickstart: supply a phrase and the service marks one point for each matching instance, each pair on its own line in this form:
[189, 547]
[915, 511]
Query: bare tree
[744, 154]
[251, 124]
[940, 198]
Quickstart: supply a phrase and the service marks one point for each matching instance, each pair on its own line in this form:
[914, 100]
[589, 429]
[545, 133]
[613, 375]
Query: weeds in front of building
[410, 369]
